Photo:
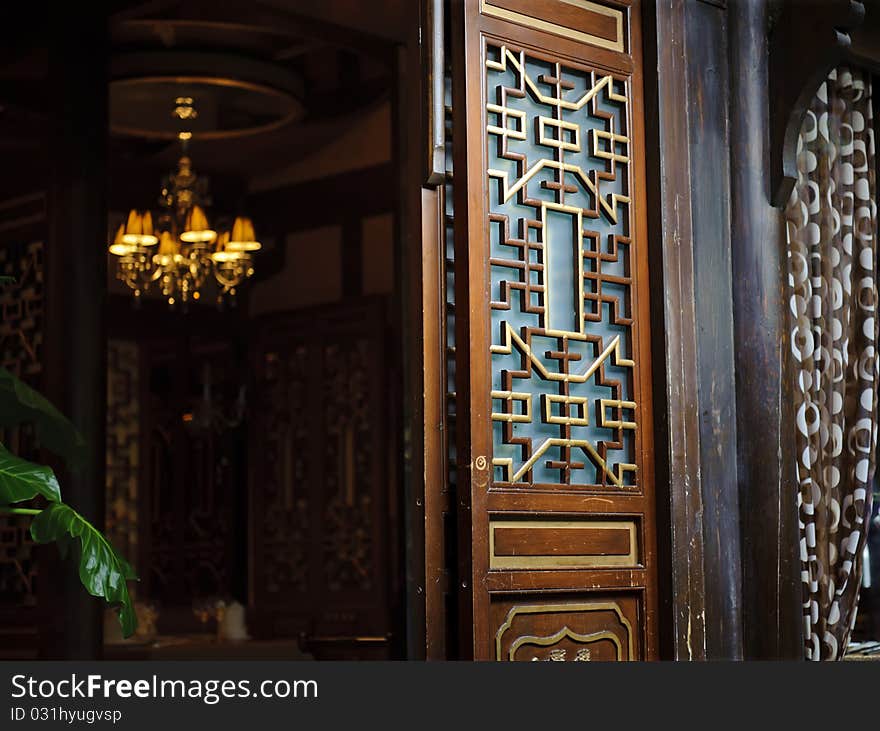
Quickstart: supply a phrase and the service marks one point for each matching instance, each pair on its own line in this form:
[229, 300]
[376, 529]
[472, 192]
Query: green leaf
[19, 404]
[23, 480]
[102, 571]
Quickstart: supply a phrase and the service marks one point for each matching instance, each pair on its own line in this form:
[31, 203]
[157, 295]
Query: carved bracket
[807, 40]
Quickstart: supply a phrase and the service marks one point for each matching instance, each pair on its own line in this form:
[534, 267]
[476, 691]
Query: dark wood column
[765, 433]
[76, 285]
[687, 116]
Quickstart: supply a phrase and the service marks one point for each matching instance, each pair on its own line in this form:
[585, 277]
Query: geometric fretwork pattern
[284, 534]
[21, 341]
[563, 400]
[123, 446]
[348, 457]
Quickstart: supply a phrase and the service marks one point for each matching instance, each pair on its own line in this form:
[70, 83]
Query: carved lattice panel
[21, 310]
[320, 483]
[21, 341]
[564, 396]
[283, 393]
[553, 367]
[348, 474]
[123, 447]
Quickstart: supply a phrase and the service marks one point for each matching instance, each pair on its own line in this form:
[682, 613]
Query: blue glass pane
[563, 405]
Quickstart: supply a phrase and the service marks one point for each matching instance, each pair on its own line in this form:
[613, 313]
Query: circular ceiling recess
[233, 95]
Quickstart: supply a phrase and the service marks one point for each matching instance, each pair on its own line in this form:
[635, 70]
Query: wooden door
[553, 372]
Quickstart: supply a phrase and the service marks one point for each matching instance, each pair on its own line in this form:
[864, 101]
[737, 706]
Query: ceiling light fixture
[181, 253]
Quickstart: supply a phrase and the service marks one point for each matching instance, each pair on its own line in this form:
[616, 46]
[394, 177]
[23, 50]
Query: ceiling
[340, 55]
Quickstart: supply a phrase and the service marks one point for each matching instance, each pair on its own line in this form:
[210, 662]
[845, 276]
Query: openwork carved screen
[563, 392]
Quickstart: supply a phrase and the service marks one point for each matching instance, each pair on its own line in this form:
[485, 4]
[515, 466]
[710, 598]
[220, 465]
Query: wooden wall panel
[322, 535]
[599, 626]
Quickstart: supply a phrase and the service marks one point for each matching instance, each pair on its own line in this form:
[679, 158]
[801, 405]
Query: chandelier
[180, 254]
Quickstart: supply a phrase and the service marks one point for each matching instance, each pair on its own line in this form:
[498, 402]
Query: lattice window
[563, 392]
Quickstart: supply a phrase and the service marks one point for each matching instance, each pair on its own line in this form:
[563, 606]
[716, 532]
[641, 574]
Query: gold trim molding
[565, 632]
[487, 8]
[568, 608]
[586, 561]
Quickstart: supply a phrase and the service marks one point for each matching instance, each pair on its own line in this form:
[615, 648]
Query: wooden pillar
[422, 387]
[765, 432]
[76, 272]
[687, 103]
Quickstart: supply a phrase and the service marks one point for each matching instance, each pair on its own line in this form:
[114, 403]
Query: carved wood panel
[590, 627]
[123, 447]
[551, 273]
[320, 530]
[282, 393]
[21, 341]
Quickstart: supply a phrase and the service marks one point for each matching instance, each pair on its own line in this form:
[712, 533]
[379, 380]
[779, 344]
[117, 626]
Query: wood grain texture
[767, 483]
[481, 586]
[569, 16]
[435, 500]
[676, 374]
[708, 108]
[573, 541]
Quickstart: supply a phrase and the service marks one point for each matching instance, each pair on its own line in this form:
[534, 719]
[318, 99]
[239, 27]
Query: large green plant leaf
[23, 480]
[19, 404]
[102, 571]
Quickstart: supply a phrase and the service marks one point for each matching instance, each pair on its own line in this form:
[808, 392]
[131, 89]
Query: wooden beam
[694, 284]
[764, 422]
[708, 108]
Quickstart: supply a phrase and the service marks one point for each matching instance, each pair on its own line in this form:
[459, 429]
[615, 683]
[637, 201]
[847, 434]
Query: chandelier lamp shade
[180, 253]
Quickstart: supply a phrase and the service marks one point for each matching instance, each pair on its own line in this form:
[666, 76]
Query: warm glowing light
[118, 248]
[243, 237]
[138, 230]
[189, 253]
[196, 229]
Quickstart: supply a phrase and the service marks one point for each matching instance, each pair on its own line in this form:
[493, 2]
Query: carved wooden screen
[322, 488]
[551, 298]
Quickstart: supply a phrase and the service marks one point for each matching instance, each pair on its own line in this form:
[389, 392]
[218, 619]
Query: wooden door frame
[701, 614]
[680, 549]
[696, 451]
[700, 559]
